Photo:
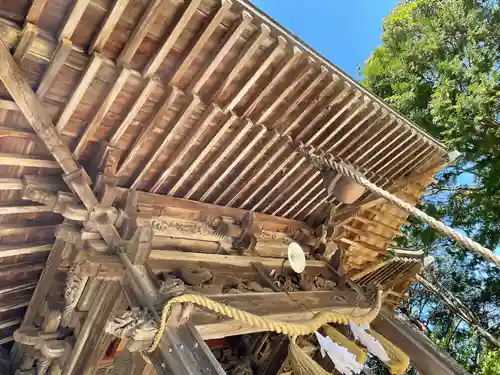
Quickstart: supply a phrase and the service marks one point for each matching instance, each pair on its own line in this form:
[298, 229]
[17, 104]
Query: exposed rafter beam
[234, 163]
[203, 154]
[35, 11]
[248, 50]
[56, 63]
[73, 18]
[233, 143]
[178, 122]
[27, 161]
[148, 88]
[156, 118]
[276, 51]
[11, 269]
[162, 53]
[25, 249]
[30, 32]
[10, 323]
[77, 95]
[111, 94]
[140, 32]
[302, 75]
[14, 229]
[108, 25]
[201, 40]
[13, 289]
[231, 185]
[277, 79]
[182, 152]
[214, 61]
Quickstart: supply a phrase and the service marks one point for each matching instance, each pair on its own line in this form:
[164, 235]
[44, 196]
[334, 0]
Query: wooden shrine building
[150, 148]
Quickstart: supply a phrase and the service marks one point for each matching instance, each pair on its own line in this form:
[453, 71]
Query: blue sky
[344, 31]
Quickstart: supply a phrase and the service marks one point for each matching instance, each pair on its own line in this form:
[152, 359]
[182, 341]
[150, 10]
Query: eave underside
[208, 105]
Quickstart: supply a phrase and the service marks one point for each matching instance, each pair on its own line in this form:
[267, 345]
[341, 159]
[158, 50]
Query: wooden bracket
[248, 237]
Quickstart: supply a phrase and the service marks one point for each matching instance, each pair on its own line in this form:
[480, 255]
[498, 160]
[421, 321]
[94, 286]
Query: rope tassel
[398, 360]
[301, 363]
[350, 345]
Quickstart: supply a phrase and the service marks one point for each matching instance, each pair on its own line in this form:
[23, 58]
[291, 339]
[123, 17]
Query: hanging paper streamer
[344, 361]
[369, 341]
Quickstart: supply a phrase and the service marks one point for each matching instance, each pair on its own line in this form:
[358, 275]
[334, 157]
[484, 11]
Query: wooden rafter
[160, 55]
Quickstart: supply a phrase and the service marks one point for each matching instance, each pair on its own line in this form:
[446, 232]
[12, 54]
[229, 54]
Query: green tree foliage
[439, 64]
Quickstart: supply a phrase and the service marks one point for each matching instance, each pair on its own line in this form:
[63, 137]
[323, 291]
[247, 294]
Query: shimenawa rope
[349, 172]
[290, 329]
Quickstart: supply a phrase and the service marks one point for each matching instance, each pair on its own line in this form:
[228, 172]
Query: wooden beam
[233, 143]
[367, 234]
[178, 207]
[8, 105]
[231, 185]
[35, 11]
[284, 165]
[151, 84]
[228, 122]
[377, 223]
[250, 146]
[324, 113]
[44, 282]
[8, 270]
[6, 340]
[9, 306]
[228, 260]
[277, 79]
[162, 53]
[112, 93]
[22, 160]
[173, 94]
[21, 250]
[349, 117]
[77, 95]
[298, 190]
[106, 297]
[311, 201]
[276, 155]
[10, 323]
[73, 18]
[201, 40]
[248, 50]
[363, 246]
[215, 59]
[302, 75]
[181, 153]
[140, 32]
[276, 51]
[108, 25]
[16, 288]
[317, 103]
[354, 129]
[18, 133]
[178, 123]
[30, 32]
[16, 208]
[57, 61]
[304, 195]
[11, 184]
[14, 229]
[277, 184]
